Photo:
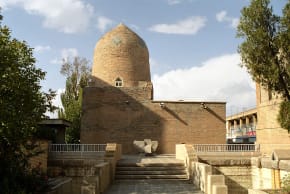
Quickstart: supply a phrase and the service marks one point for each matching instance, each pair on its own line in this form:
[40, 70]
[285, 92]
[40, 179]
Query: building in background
[118, 104]
[259, 125]
[241, 127]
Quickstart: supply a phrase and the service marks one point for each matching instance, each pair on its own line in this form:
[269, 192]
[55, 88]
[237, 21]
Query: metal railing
[77, 148]
[226, 147]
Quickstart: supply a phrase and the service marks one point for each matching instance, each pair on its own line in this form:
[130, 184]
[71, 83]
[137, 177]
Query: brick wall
[122, 115]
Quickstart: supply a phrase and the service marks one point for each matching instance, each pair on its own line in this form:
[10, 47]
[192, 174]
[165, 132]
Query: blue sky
[192, 43]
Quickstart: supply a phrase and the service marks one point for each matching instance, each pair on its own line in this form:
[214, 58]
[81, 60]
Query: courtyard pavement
[142, 159]
[152, 187]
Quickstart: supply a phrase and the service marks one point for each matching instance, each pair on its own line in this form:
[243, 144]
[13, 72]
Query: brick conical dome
[121, 55]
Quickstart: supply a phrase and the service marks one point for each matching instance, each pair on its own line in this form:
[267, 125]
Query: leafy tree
[265, 50]
[22, 106]
[77, 74]
[284, 115]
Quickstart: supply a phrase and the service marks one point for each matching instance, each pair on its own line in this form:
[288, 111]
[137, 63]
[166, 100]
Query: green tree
[262, 51]
[22, 106]
[284, 115]
[265, 49]
[77, 73]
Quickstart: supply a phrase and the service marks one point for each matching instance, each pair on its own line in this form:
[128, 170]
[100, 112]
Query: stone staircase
[166, 168]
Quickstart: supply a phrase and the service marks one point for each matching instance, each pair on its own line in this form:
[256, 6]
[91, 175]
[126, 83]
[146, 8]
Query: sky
[192, 43]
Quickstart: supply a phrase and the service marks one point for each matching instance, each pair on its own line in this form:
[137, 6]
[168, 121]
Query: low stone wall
[89, 176]
[267, 173]
[39, 161]
[237, 178]
[84, 173]
[200, 173]
[267, 149]
[256, 191]
[59, 185]
[186, 153]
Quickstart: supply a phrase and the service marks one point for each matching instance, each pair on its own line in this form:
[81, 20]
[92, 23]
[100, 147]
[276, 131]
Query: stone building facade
[263, 121]
[241, 127]
[269, 133]
[118, 104]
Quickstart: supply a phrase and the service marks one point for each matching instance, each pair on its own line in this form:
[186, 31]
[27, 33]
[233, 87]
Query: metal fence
[77, 148]
[226, 147]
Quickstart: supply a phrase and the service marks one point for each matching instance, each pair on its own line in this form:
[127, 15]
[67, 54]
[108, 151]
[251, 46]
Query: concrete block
[281, 154]
[219, 189]
[139, 145]
[214, 180]
[180, 151]
[256, 161]
[256, 191]
[147, 141]
[202, 172]
[266, 163]
[147, 149]
[88, 189]
[154, 146]
[111, 147]
[275, 164]
[284, 165]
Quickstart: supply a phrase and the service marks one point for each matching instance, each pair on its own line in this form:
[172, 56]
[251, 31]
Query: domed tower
[121, 59]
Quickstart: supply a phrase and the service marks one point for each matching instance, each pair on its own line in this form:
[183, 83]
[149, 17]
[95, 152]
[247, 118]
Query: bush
[286, 184]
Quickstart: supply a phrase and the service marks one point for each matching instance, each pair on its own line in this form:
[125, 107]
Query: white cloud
[134, 27]
[217, 79]
[187, 26]
[65, 54]
[40, 48]
[56, 61]
[68, 16]
[175, 2]
[223, 17]
[235, 22]
[104, 23]
[153, 62]
[158, 66]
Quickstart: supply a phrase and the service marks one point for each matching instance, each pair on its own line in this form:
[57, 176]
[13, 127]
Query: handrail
[226, 147]
[77, 148]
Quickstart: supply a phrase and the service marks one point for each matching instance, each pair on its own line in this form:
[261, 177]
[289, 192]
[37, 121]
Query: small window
[118, 82]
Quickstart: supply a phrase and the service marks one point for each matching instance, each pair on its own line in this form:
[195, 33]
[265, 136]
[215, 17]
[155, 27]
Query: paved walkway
[152, 187]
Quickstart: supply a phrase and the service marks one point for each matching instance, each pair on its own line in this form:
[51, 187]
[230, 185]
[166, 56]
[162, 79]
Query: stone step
[150, 168]
[154, 181]
[150, 164]
[155, 168]
[147, 172]
[178, 177]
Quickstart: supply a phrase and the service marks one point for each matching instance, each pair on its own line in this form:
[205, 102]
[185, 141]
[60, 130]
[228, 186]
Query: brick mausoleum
[118, 104]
